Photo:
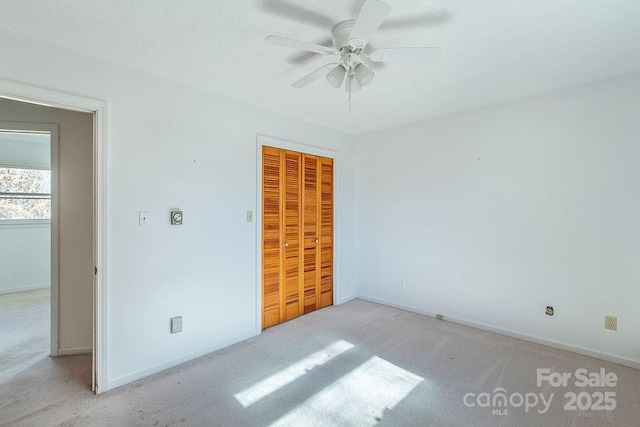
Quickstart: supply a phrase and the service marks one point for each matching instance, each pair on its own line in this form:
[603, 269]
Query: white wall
[493, 214]
[171, 146]
[25, 262]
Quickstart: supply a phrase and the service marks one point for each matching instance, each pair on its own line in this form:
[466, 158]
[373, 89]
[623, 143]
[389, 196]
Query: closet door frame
[270, 141]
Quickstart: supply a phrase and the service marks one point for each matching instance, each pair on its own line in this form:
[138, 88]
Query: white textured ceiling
[493, 50]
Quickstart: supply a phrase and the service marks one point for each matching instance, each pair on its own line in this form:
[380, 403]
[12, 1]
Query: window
[25, 193]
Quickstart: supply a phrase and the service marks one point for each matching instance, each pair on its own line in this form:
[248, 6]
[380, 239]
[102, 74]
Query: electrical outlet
[611, 322]
[176, 324]
[403, 285]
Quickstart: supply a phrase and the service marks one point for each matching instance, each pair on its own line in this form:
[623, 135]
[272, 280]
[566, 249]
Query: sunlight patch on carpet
[261, 389]
[360, 397]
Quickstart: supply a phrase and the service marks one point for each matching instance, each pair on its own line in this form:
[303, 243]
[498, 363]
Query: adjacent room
[25, 248]
[285, 212]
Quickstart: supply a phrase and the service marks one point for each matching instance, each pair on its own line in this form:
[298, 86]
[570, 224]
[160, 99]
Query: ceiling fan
[350, 39]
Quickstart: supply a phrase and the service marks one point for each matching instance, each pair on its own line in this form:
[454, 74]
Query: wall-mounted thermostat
[176, 217]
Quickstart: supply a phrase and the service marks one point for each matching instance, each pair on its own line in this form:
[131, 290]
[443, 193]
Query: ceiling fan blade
[313, 76]
[301, 14]
[406, 54]
[297, 44]
[371, 16]
[303, 56]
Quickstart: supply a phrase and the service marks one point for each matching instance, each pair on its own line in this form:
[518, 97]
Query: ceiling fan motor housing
[349, 61]
[350, 55]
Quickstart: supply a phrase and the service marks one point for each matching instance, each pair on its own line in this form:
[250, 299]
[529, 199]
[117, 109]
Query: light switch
[143, 217]
[249, 216]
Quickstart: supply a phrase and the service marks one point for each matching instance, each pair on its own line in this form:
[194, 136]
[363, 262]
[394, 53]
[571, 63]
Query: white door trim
[57, 99]
[270, 141]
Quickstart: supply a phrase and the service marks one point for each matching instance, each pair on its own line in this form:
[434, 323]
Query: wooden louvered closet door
[297, 233]
[271, 231]
[291, 225]
[325, 294]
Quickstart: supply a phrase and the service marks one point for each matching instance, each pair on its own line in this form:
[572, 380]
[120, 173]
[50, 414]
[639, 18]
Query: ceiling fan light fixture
[363, 74]
[336, 76]
[352, 85]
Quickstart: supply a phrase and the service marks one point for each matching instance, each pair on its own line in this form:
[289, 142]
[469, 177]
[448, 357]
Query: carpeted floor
[24, 336]
[356, 364]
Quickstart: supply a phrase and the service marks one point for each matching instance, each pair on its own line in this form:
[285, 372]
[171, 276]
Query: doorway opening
[97, 109]
[26, 305]
[60, 195]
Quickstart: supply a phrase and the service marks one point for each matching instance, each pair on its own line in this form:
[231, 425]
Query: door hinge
[95, 270]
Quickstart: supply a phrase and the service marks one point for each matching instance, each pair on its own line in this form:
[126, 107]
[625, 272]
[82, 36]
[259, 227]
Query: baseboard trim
[25, 288]
[73, 351]
[346, 299]
[159, 367]
[513, 334]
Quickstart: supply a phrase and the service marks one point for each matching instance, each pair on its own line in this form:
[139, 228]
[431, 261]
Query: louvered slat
[310, 221]
[326, 232]
[271, 208]
[292, 214]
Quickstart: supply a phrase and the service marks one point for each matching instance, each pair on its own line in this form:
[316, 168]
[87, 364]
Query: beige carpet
[24, 336]
[356, 364]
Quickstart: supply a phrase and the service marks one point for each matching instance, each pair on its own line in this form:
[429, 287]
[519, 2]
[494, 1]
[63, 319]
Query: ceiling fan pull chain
[349, 83]
[349, 79]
